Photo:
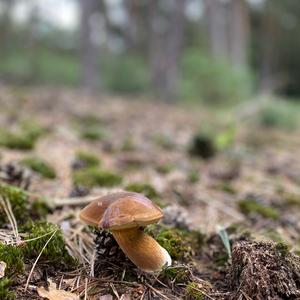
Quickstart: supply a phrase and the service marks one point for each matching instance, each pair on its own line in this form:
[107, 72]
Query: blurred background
[209, 51]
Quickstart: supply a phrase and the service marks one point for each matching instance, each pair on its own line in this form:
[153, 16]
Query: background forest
[201, 50]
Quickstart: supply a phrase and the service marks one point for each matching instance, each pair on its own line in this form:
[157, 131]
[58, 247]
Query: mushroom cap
[121, 210]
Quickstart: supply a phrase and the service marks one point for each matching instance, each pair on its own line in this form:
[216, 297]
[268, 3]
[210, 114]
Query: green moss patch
[249, 206]
[181, 244]
[55, 252]
[19, 200]
[13, 257]
[193, 176]
[148, 190]
[193, 292]
[88, 159]
[40, 166]
[23, 138]
[5, 293]
[92, 133]
[176, 274]
[94, 176]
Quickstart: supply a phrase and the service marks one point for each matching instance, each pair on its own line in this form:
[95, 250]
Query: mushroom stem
[142, 249]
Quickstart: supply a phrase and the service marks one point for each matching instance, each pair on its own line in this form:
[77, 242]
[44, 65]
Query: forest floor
[233, 218]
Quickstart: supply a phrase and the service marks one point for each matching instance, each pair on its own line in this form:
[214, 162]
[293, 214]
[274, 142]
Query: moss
[145, 188]
[148, 190]
[176, 274]
[89, 120]
[291, 199]
[282, 249]
[128, 144]
[202, 145]
[40, 166]
[273, 235]
[164, 141]
[193, 291]
[165, 168]
[95, 176]
[39, 209]
[179, 243]
[5, 293]
[92, 133]
[55, 252]
[249, 206]
[87, 158]
[19, 201]
[193, 177]
[23, 138]
[13, 257]
[22, 207]
[226, 187]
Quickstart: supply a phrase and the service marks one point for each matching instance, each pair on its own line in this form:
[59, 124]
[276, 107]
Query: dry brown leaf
[2, 268]
[54, 294]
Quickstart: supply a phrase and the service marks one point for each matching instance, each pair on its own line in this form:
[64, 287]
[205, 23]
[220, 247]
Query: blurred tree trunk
[216, 22]
[5, 23]
[90, 72]
[166, 42]
[239, 25]
[228, 30]
[269, 33]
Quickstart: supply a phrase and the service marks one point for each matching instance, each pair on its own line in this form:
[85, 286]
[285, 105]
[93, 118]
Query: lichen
[88, 159]
[249, 206]
[55, 252]
[40, 166]
[94, 176]
[13, 257]
[5, 293]
[193, 292]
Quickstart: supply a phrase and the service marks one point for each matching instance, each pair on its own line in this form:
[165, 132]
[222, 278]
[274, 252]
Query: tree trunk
[239, 24]
[228, 30]
[269, 31]
[217, 28]
[166, 41]
[90, 73]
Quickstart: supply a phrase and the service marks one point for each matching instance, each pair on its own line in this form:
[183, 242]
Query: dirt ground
[148, 142]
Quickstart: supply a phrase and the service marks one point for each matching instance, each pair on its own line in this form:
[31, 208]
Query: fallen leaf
[54, 294]
[2, 268]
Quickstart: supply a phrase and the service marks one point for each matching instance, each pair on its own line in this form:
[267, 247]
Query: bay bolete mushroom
[123, 214]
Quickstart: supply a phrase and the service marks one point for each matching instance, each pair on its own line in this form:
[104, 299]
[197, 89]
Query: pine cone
[14, 174]
[107, 247]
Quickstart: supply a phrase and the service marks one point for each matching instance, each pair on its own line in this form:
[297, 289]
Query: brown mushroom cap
[120, 211]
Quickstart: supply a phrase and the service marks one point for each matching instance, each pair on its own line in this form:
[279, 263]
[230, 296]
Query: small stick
[37, 259]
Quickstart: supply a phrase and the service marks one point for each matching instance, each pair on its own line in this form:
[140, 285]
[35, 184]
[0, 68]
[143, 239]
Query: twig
[37, 259]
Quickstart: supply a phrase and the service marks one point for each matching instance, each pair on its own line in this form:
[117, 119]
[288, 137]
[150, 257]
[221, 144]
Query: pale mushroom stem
[142, 249]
